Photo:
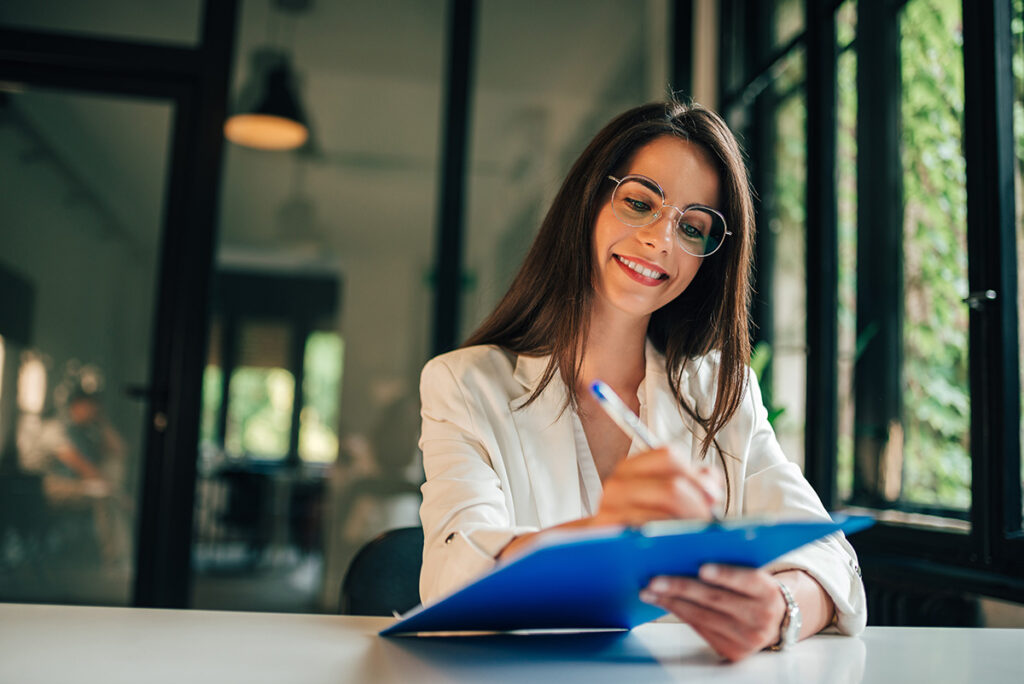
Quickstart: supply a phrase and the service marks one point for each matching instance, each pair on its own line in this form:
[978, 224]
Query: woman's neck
[614, 351]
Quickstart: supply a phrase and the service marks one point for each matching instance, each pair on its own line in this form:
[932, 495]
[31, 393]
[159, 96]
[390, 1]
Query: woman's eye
[690, 231]
[639, 206]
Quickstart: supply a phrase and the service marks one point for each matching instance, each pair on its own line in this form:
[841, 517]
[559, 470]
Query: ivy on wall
[936, 399]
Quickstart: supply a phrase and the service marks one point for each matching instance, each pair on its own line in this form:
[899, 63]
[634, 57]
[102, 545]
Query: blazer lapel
[549, 446]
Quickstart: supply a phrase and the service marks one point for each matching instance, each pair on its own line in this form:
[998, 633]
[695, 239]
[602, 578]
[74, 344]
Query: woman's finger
[667, 462]
[722, 644]
[718, 629]
[703, 594]
[749, 581]
[675, 497]
[655, 462]
[751, 617]
[662, 463]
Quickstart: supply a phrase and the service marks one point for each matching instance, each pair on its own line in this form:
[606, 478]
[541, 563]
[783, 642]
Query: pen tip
[596, 387]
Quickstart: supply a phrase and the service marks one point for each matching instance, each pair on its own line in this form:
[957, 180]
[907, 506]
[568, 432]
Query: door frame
[195, 80]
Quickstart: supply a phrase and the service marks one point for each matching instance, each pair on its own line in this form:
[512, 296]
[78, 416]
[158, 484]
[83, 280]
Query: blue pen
[630, 423]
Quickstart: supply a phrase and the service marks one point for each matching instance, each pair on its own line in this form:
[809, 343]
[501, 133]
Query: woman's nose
[660, 233]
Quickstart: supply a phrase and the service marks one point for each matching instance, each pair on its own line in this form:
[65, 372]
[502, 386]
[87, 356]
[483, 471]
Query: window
[901, 108]
[786, 223]
[1017, 27]
[935, 426]
[323, 361]
[260, 395]
[846, 218]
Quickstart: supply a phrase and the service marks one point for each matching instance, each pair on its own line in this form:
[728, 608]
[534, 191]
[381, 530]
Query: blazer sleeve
[466, 515]
[774, 486]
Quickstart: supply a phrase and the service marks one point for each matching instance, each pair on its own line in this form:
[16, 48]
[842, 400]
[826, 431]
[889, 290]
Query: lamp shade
[277, 121]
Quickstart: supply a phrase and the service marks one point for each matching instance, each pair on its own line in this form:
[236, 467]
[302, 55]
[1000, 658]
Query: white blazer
[494, 470]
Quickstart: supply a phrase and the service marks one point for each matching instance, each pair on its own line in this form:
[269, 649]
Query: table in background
[43, 643]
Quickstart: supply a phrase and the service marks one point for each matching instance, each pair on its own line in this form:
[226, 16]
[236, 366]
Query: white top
[495, 470]
[590, 480]
[57, 644]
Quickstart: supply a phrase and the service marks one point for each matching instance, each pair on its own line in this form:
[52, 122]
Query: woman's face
[640, 270]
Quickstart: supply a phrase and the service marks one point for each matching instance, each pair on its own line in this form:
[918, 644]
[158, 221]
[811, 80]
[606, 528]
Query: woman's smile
[642, 271]
[656, 268]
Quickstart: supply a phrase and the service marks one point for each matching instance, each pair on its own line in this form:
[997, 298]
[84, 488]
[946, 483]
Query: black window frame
[987, 559]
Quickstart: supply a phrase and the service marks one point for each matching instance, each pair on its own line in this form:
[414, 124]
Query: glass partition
[321, 319]
[84, 178]
[534, 110]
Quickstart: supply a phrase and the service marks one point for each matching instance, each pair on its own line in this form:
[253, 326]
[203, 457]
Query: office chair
[385, 575]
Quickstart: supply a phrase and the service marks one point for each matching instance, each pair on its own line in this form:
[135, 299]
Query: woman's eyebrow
[653, 185]
[648, 182]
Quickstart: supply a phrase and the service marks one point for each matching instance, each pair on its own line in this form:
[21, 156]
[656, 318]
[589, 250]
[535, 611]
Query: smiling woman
[639, 277]
[650, 242]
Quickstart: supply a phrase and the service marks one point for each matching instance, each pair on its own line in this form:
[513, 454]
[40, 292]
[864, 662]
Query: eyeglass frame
[657, 215]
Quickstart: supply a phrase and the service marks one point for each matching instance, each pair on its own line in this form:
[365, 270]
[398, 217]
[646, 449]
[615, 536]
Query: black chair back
[384, 576]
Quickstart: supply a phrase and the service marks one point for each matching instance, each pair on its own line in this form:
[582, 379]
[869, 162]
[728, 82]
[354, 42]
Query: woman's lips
[641, 278]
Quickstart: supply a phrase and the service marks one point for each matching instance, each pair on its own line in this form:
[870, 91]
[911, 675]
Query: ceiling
[371, 78]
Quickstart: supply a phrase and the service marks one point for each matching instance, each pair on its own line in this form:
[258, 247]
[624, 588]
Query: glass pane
[846, 24]
[357, 208]
[259, 413]
[83, 182]
[162, 22]
[936, 400]
[321, 381]
[846, 178]
[534, 110]
[1017, 26]
[789, 353]
[789, 20]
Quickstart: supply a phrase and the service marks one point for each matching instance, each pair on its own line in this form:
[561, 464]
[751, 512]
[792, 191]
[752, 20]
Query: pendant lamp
[269, 115]
[276, 121]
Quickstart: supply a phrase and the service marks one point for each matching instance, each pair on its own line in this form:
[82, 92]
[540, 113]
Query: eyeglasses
[639, 201]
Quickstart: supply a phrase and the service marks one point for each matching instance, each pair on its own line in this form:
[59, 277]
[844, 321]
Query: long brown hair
[546, 310]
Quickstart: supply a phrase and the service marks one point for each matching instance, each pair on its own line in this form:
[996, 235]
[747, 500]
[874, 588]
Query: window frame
[985, 560]
[194, 81]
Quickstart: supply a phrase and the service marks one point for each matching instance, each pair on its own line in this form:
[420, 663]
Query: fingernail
[648, 596]
[708, 571]
[659, 585]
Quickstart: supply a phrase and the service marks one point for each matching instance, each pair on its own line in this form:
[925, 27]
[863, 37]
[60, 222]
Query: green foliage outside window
[936, 399]
[318, 422]
[211, 405]
[261, 404]
[846, 215]
[259, 413]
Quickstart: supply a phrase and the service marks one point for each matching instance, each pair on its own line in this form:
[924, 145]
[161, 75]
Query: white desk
[83, 645]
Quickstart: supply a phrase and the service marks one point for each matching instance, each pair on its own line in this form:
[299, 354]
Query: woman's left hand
[738, 611]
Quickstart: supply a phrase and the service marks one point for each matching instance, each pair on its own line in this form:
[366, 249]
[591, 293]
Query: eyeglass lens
[699, 231]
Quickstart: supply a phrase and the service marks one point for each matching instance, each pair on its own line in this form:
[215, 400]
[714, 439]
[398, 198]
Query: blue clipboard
[593, 580]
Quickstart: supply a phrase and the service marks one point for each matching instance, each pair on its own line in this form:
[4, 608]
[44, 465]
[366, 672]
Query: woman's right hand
[658, 485]
[654, 485]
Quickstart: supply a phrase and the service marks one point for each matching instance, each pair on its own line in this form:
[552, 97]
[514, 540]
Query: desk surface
[40, 643]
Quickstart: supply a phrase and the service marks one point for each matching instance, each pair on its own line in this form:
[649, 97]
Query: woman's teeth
[657, 275]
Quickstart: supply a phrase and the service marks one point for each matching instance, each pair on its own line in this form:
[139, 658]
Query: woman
[639, 277]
